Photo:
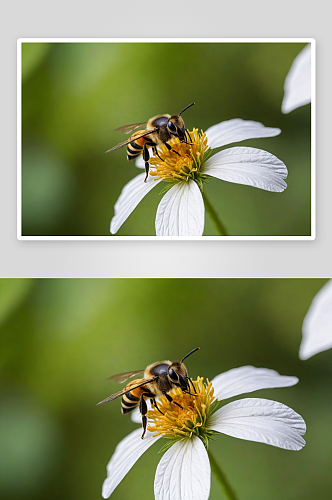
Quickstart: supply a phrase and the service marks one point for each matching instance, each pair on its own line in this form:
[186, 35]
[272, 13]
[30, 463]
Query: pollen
[189, 418]
[184, 162]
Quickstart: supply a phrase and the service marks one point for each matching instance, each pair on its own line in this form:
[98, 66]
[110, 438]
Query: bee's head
[176, 126]
[177, 373]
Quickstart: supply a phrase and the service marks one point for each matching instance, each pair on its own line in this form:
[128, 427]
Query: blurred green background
[61, 338]
[76, 94]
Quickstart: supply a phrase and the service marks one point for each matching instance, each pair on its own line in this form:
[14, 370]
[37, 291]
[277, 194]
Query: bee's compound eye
[171, 126]
[172, 375]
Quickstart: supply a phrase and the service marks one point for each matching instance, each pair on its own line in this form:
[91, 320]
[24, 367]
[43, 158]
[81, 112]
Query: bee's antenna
[181, 114]
[196, 349]
[191, 382]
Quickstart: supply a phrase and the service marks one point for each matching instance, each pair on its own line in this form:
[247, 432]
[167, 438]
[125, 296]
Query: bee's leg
[170, 149]
[143, 409]
[186, 381]
[156, 406]
[171, 400]
[192, 387]
[146, 158]
[191, 141]
[155, 150]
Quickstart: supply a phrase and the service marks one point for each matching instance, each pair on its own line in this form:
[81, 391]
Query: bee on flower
[184, 471]
[186, 165]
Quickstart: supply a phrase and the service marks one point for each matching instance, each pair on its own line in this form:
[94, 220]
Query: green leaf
[214, 407]
[168, 445]
[205, 440]
[168, 186]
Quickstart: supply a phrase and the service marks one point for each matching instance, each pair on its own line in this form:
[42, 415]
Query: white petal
[297, 86]
[248, 379]
[126, 454]
[317, 325]
[184, 472]
[237, 130]
[136, 416]
[131, 195]
[262, 421]
[181, 211]
[140, 163]
[250, 166]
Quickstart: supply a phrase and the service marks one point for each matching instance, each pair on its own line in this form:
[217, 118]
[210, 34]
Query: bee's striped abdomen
[133, 150]
[129, 402]
[135, 147]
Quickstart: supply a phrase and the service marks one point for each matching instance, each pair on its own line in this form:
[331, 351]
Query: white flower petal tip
[126, 454]
[317, 324]
[297, 88]
[249, 166]
[131, 195]
[237, 130]
[181, 211]
[248, 379]
[136, 417]
[140, 163]
[261, 420]
[184, 472]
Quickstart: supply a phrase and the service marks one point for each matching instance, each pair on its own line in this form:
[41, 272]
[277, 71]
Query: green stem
[222, 231]
[228, 490]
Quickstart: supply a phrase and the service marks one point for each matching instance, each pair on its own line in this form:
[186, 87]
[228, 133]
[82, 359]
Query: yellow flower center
[185, 163]
[186, 420]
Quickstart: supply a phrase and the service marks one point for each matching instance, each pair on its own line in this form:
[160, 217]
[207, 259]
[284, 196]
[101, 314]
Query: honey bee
[159, 130]
[159, 379]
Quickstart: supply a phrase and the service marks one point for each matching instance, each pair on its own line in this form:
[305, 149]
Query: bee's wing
[122, 377]
[138, 136]
[128, 128]
[127, 389]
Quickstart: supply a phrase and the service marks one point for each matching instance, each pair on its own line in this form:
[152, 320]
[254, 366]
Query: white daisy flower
[181, 210]
[184, 471]
[317, 324]
[297, 88]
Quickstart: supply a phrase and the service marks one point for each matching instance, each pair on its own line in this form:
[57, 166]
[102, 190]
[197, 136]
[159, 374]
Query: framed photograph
[219, 134]
[233, 378]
